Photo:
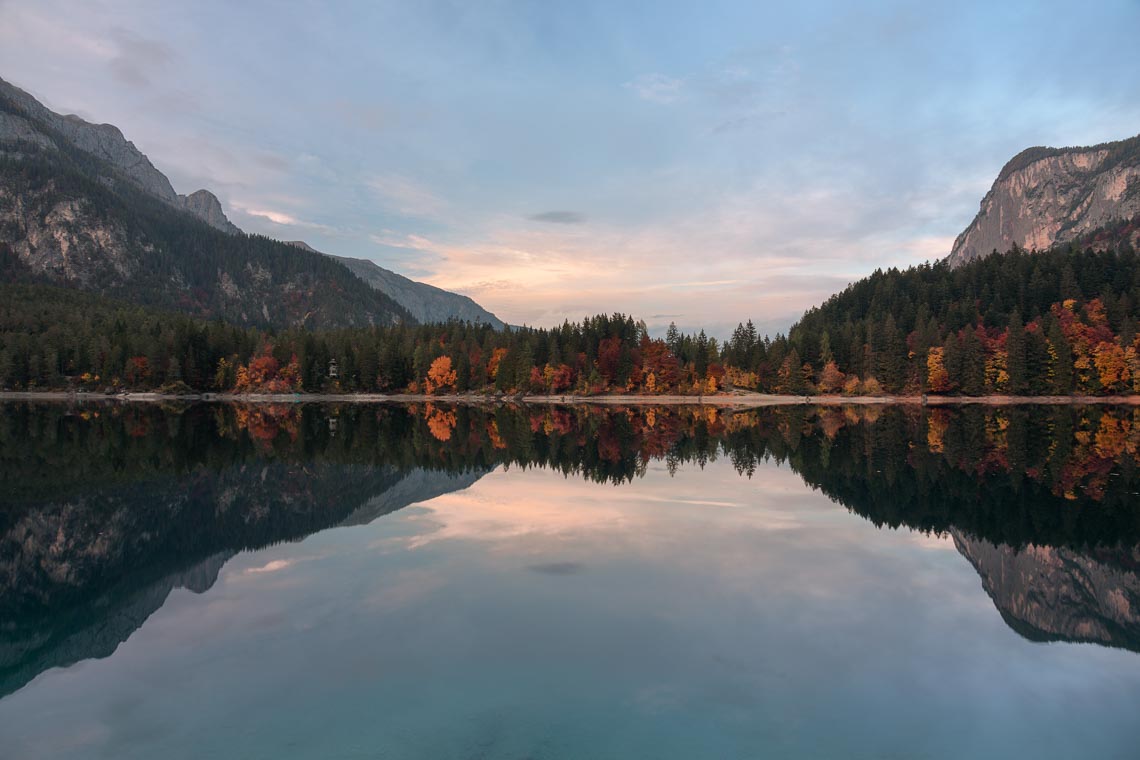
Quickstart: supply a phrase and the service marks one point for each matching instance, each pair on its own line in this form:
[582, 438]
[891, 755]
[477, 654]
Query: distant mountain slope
[81, 206]
[1045, 196]
[426, 303]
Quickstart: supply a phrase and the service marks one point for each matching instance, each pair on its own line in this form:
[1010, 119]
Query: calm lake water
[364, 581]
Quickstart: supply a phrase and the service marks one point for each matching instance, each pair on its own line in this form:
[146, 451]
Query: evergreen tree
[1061, 364]
[1016, 359]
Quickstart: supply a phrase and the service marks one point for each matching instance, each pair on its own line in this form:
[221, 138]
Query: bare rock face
[1045, 196]
[15, 128]
[62, 239]
[205, 205]
[102, 140]
[1050, 593]
[21, 117]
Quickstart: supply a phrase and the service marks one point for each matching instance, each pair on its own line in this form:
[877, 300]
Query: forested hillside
[52, 337]
[1059, 321]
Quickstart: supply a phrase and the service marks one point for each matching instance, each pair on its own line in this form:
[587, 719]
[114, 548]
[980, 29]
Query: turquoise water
[515, 611]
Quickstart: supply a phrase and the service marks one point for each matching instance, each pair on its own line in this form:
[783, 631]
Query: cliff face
[206, 206]
[1057, 594]
[23, 118]
[1045, 196]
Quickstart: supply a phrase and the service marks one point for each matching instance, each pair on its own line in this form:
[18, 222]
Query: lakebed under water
[218, 580]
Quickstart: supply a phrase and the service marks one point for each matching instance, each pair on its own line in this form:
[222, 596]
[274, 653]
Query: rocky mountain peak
[206, 206]
[1045, 196]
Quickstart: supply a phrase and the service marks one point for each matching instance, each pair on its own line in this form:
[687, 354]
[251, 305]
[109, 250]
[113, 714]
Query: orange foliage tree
[264, 374]
[1112, 366]
[830, 378]
[440, 375]
[494, 362]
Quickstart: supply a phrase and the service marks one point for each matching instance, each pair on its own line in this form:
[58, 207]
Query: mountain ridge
[61, 239]
[97, 216]
[426, 303]
[105, 141]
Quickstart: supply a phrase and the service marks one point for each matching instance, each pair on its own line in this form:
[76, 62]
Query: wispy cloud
[281, 218]
[406, 196]
[395, 240]
[137, 59]
[657, 88]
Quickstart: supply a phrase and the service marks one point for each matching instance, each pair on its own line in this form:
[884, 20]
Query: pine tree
[673, 339]
[973, 367]
[1061, 360]
[1016, 356]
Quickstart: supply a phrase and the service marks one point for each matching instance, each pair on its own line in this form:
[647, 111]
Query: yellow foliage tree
[1112, 366]
[937, 378]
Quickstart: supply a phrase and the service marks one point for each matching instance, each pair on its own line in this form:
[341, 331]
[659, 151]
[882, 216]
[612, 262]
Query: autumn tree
[937, 378]
[830, 378]
[440, 375]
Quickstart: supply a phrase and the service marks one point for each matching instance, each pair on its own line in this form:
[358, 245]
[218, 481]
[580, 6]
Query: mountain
[24, 118]
[1045, 196]
[65, 240]
[81, 206]
[426, 303]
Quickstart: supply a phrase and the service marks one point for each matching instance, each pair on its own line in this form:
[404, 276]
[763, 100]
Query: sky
[703, 163]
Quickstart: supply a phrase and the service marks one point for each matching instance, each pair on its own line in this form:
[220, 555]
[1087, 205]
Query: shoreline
[738, 400]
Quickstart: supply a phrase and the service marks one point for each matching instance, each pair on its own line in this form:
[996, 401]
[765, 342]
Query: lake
[383, 581]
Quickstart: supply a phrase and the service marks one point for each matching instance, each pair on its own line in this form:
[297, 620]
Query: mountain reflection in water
[108, 508]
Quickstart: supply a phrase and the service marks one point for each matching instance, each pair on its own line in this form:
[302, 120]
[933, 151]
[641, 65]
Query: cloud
[270, 161]
[410, 241]
[137, 58]
[558, 217]
[407, 196]
[281, 218]
[657, 88]
[557, 568]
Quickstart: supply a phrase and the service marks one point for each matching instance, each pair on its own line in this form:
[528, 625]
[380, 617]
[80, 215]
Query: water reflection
[107, 510]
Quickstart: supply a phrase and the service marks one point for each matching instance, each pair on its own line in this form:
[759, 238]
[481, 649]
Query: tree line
[1057, 322]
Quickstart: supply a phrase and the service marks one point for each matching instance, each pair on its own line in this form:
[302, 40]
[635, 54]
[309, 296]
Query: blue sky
[703, 163]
